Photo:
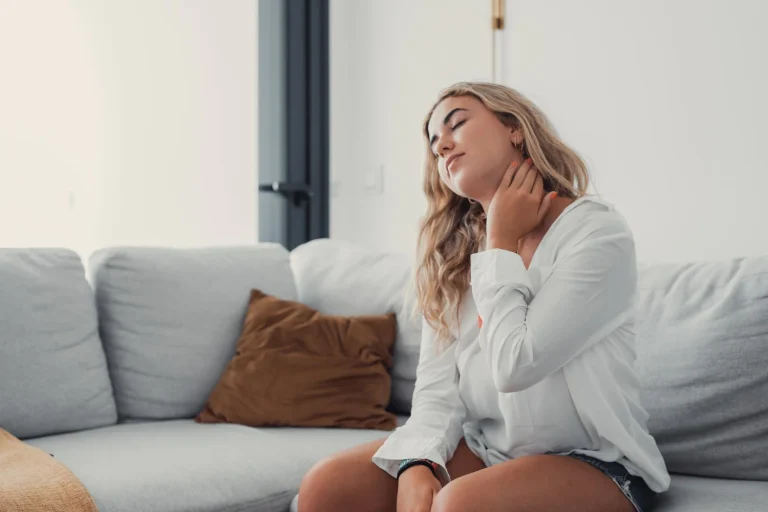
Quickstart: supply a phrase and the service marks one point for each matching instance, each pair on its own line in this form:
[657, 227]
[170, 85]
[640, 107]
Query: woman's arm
[589, 294]
[435, 427]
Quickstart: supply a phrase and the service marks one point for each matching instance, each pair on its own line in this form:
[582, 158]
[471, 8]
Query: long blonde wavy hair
[454, 227]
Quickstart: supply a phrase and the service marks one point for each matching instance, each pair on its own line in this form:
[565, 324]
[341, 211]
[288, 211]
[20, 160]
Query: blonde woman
[526, 399]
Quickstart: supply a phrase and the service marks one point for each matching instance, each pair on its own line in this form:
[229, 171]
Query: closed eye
[453, 128]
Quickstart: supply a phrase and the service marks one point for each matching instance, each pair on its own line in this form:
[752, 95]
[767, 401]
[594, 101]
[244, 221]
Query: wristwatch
[409, 463]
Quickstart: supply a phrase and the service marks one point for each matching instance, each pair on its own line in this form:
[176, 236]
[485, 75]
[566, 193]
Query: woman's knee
[346, 481]
[454, 497]
[323, 487]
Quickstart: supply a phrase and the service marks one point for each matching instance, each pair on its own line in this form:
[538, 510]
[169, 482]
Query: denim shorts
[633, 487]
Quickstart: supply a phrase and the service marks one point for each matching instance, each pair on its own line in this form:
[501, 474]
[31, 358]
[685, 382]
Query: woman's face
[472, 146]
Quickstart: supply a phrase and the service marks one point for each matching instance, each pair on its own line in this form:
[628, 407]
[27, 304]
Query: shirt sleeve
[589, 294]
[435, 426]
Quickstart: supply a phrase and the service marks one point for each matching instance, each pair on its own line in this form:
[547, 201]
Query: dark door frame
[293, 99]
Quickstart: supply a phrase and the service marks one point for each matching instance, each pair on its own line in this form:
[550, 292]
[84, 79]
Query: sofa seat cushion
[180, 465]
[697, 494]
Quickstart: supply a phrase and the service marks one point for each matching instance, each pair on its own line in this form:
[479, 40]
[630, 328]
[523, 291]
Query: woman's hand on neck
[528, 244]
[556, 208]
[519, 204]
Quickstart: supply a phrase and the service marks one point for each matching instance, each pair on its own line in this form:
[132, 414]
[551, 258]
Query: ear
[516, 136]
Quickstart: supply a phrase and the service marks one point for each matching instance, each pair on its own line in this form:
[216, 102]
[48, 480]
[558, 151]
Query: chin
[469, 186]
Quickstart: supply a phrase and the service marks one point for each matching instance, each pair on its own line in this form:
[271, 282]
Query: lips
[452, 159]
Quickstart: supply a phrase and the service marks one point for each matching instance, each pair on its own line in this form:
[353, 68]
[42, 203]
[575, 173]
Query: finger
[538, 187]
[508, 175]
[544, 207]
[521, 173]
[530, 179]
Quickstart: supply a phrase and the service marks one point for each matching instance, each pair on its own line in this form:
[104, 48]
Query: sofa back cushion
[702, 342]
[53, 374]
[170, 319]
[340, 278]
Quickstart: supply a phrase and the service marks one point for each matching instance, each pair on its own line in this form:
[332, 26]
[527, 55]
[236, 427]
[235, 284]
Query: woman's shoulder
[600, 212]
[591, 219]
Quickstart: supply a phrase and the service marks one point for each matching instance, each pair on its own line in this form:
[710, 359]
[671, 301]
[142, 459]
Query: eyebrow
[445, 122]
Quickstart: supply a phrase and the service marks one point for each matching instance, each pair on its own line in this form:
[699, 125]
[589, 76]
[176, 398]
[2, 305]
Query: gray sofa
[107, 371]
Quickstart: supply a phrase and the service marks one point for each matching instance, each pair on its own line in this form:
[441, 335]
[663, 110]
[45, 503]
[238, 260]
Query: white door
[389, 60]
[666, 101]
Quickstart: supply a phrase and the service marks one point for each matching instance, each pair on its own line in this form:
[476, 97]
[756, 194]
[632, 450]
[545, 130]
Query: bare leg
[350, 481]
[537, 483]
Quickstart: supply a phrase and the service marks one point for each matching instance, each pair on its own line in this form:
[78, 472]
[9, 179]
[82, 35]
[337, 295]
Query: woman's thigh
[350, 481]
[463, 462]
[534, 484]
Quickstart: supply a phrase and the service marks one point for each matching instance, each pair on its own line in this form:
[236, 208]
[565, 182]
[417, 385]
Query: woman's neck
[527, 246]
[559, 204]
[555, 209]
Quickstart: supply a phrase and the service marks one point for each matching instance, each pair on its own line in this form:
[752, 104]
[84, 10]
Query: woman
[526, 398]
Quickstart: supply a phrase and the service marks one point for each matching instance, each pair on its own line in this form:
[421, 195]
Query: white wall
[389, 59]
[667, 101]
[128, 123]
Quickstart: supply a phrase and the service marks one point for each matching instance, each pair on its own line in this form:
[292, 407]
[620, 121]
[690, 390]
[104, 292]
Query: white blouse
[551, 368]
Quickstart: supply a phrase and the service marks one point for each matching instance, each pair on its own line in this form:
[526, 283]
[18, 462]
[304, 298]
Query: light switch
[374, 181]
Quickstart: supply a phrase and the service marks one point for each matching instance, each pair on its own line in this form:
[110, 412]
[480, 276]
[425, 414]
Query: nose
[444, 144]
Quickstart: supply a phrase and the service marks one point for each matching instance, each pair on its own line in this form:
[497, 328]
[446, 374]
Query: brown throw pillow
[297, 367]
